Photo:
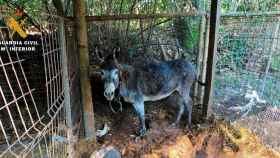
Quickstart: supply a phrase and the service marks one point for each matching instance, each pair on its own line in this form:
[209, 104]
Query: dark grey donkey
[151, 82]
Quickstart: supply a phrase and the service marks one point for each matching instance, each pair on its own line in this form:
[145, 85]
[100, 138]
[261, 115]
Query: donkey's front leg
[139, 108]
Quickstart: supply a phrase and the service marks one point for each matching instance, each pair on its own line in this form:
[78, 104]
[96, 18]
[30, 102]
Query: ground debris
[222, 141]
[217, 139]
[106, 152]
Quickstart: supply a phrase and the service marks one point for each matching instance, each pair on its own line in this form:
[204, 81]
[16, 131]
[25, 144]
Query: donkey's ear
[116, 52]
[119, 49]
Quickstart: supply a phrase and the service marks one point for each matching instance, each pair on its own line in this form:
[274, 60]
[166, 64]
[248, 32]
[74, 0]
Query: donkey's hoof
[175, 124]
[142, 132]
[189, 128]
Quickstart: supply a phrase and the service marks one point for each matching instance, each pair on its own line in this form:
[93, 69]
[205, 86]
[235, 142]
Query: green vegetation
[249, 6]
[34, 8]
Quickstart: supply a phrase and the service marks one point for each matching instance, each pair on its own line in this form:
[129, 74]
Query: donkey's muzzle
[109, 95]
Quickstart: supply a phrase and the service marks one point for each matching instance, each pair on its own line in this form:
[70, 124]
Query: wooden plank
[211, 59]
[251, 14]
[142, 16]
[202, 76]
[171, 15]
[81, 26]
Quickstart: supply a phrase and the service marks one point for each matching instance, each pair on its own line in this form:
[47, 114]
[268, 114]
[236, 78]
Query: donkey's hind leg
[187, 102]
[180, 102]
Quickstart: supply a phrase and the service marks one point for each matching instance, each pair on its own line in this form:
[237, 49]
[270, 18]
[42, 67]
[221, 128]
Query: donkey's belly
[157, 96]
[164, 90]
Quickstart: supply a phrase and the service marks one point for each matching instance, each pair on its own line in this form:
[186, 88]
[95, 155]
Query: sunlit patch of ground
[217, 140]
[266, 125]
[247, 143]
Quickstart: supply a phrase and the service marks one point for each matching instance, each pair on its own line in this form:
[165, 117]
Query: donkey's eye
[102, 73]
[115, 72]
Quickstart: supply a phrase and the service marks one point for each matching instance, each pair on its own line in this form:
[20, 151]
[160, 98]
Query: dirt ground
[124, 127]
[216, 140]
[266, 125]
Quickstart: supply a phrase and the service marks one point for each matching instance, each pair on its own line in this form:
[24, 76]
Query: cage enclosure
[52, 101]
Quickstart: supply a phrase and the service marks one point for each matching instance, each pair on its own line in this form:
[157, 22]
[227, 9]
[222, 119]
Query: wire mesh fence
[34, 125]
[154, 37]
[39, 99]
[248, 60]
[247, 74]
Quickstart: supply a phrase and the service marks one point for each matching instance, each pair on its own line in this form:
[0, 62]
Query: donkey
[152, 82]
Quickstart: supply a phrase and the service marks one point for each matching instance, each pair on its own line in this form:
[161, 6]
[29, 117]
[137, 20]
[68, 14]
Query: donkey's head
[109, 72]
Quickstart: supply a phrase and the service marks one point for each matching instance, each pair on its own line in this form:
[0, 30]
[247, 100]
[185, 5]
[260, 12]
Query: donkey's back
[159, 80]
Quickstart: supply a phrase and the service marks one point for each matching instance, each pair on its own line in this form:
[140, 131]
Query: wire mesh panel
[248, 61]
[30, 126]
[247, 75]
[52, 54]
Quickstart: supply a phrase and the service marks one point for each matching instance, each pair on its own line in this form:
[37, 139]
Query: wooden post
[201, 52]
[65, 77]
[211, 59]
[202, 56]
[66, 86]
[81, 26]
[202, 76]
